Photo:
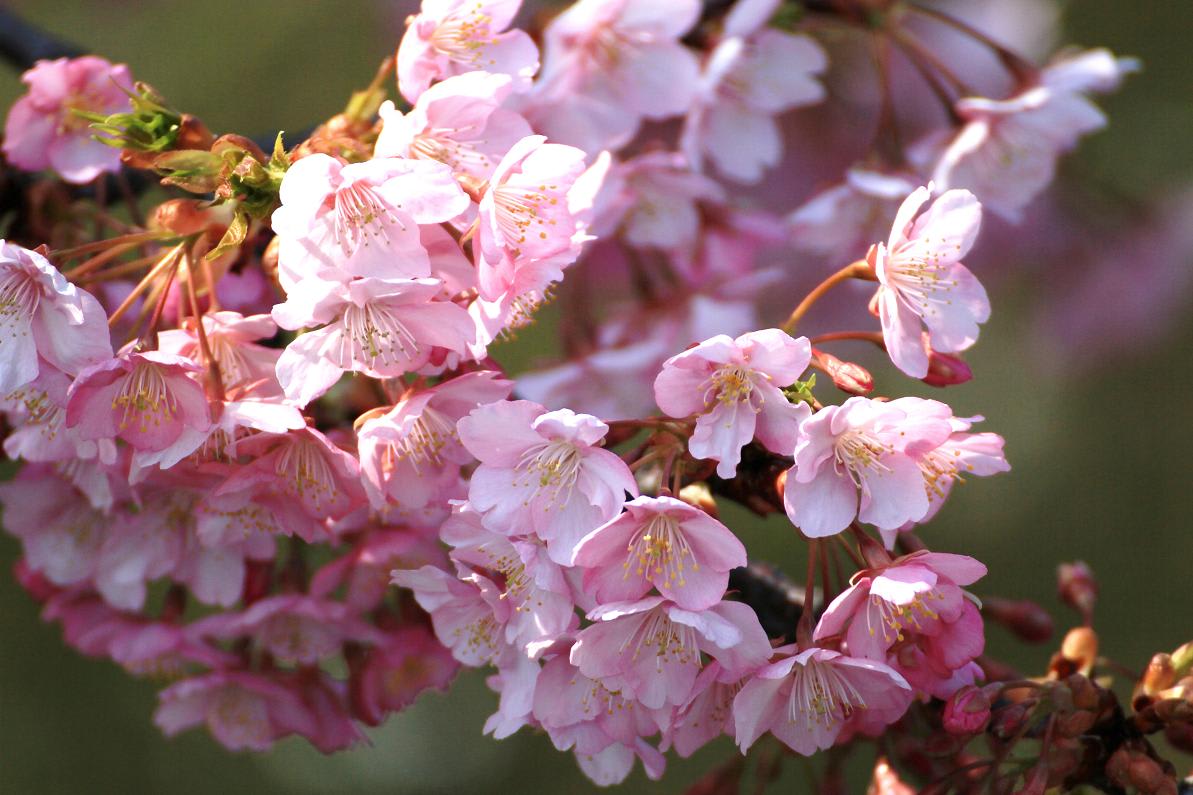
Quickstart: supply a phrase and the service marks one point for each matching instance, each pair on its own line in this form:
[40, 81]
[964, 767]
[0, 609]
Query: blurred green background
[1101, 457]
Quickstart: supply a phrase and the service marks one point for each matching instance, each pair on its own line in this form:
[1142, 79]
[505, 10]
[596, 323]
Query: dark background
[1101, 451]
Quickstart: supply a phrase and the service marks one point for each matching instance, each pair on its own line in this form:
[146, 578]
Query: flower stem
[855, 270]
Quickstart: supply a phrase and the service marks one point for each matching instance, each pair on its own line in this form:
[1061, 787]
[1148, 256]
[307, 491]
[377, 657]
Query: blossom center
[671, 643]
[361, 215]
[464, 36]
[551, 471]
[422, 444]
[19, 297]
[374, 334]
[145, 398]
[921, 279]
[859, 452]
[660, 548]
[522, 212]
[731, 384]
[303, 467]
[821, 694]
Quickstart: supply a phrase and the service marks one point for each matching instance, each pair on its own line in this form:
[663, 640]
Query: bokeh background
[1094, 404]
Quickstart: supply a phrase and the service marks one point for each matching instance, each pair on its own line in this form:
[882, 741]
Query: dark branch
[23, 44]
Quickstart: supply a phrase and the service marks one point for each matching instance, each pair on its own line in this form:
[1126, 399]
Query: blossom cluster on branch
[269, 450]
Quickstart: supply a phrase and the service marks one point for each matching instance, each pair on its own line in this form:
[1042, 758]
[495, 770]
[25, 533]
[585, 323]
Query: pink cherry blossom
[806, 699]
[294, 484]
[733, 385]
[43, 130]
[851, 463]
[663, 542]
[651, 649]
[383, 328]
[541, 472]
[664, 198]
[459, 122]
[43, 316]
[243, 711]
[753, 74]
[707, 714]
[451, 37]
[464, 613]
[923, 283]
[406, 452]
[536, 600]
[525, 213]
[149, 400]
[37, 414]
[1007, 151]
[607, 64]
[604, 729]
[337, 221]
[915, 595]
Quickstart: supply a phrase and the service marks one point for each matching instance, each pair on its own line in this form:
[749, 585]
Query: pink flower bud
[847, 376]
[1076, 586]
[967, 711]
[945, 369]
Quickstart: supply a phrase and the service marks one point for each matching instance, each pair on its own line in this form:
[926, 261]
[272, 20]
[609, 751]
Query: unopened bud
[1160, 674]
[1025, 618]
[849, 377]
[699, 496]
[967, 711]
[181, 216]
[1009, 720]
[945, 369]
[193, 134]
[1080, 646]
[1182, 659]
[1077, 587]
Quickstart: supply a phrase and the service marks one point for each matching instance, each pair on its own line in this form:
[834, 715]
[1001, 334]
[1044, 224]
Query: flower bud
[967, 711]
[1026, 619]
[1081, 647]
[1077, 587]
[1160, 674]
[945, 369]
[849, 377]
[181, 216]
[1182, 659]
[699, 496]
[1007, 721]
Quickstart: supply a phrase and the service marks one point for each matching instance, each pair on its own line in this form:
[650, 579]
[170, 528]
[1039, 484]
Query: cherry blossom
[380, 327]
[541, 472]
[733, 385]
[459, 122]
[807, 698]
[664, 542]
[851, 463]
[337, 221]
[452, 37]
[923, 283]
[43, 316]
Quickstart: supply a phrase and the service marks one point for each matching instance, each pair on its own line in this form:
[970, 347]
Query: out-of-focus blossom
[43, 130]
[1007, 151]
[753, 74]
[607, 64]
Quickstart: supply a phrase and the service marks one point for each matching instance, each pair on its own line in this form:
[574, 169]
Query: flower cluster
[245, 421]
